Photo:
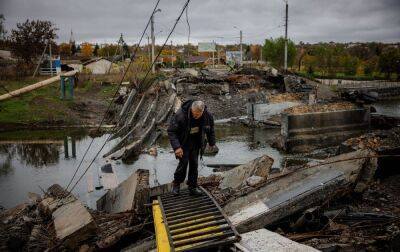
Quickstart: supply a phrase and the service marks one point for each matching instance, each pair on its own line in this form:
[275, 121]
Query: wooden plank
[34, 86]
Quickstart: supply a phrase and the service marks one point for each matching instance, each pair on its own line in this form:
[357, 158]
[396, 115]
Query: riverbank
[43, 108]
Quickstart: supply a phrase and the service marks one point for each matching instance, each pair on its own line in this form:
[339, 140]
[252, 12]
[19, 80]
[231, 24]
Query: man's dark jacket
[180, 125]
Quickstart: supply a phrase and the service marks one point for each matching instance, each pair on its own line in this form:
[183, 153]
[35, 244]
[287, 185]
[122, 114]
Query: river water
[390, 107]
[31, 160]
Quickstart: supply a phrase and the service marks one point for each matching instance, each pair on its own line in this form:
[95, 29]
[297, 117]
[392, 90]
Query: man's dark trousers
[191, 157]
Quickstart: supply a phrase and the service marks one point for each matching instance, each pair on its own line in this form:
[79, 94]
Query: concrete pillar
[73, 145]
[66, 155]
[71, 87]
[62, 87]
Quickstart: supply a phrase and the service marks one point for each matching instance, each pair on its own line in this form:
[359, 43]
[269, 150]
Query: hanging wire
[115, 94]
[149, 70]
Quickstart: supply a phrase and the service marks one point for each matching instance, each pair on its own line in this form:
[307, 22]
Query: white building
[100, 66]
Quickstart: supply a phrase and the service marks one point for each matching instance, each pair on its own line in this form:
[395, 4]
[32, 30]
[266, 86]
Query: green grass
[44, 105]
[37, 105]
[108, 91]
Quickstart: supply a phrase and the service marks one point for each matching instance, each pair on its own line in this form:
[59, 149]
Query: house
[100, 66]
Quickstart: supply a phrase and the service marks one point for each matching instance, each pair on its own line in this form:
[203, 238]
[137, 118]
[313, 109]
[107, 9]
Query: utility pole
[217, 53]
[148, 47]
[213, 56]
[172, 55]
[241, 48]
[153, 41]
[286, 32]
[51, 60]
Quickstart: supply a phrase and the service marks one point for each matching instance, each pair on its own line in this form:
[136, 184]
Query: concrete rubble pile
[59, 221]
[331, 200]
[329, 107]
[144, 114]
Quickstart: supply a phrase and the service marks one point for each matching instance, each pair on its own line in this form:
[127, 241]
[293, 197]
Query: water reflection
[66, 146]
[5, 166]
[38, 155]
[29, 159]
[37, 149]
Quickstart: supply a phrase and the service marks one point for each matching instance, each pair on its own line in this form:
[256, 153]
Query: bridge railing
[369, 84]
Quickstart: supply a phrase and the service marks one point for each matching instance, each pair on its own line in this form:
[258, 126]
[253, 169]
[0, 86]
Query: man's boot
[194, 191]
[176, 189]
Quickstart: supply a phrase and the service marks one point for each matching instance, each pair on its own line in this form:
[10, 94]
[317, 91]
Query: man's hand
[179, 153]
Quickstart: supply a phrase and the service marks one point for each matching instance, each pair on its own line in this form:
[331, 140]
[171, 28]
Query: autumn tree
[255, 51]
[29, 38]
[65, 49]
[86, 49]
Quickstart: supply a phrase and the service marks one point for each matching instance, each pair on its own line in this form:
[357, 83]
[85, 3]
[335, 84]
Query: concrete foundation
[309, 131]
[264, 111]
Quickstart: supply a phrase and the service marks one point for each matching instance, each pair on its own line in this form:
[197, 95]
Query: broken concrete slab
[264, 111]
[265, 240]
[296, 191]
[237, 176]
[48, 205]
[73, 223]
[125, 196]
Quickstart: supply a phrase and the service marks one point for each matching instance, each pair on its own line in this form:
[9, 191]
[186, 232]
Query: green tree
[96, 50]
[108, 50]
[30, 37]
[274, 51]
[371, 65]
[350, 64]
[389, 61]
[125, 50]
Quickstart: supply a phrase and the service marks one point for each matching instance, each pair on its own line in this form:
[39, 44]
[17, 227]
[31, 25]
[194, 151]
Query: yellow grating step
[189, 223]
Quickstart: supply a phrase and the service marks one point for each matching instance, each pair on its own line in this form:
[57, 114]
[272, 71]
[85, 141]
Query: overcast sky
[309, 20]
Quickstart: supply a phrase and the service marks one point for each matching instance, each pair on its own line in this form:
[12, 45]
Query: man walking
[186, 132]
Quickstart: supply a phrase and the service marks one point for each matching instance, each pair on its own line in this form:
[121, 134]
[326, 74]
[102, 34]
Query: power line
[116, 92]
[162, 48]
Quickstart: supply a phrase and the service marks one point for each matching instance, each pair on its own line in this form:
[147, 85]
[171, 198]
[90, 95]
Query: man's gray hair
[198, 106]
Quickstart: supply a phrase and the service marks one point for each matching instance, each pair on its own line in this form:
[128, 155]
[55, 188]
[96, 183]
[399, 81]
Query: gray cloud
[309, 20]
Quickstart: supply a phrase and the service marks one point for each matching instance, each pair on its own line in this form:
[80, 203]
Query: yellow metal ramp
[188, 223]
